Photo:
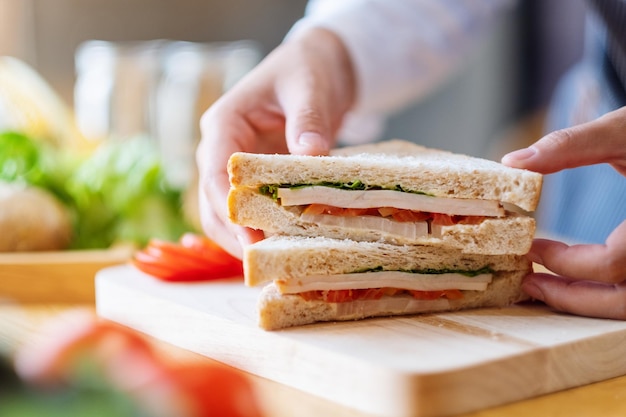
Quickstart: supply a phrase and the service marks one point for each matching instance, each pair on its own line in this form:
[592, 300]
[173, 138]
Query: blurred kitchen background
[127, 66]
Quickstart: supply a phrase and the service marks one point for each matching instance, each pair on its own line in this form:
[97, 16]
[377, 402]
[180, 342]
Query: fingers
[244, 120]
[584, 298]
[214, 218]
[605, 263]
[230, 237]
[590, 280]
[294, 100]
[316, 96]
[577, 262]
[601, 140]
[212, 157]
[308, 128]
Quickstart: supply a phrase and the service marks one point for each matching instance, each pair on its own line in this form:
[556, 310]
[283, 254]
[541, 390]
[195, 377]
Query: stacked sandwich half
[380, 230]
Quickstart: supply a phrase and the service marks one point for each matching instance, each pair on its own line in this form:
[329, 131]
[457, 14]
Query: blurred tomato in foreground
[192, 258]
[83, 351]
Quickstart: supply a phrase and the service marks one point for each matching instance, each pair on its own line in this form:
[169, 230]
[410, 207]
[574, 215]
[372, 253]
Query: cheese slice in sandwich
[394, 191]
[317, 279]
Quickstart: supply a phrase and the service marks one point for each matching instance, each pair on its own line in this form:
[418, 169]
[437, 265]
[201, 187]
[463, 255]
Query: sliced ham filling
[363, 199]
[390, 279]
[396, 213]
[400, 214]
[375, 285]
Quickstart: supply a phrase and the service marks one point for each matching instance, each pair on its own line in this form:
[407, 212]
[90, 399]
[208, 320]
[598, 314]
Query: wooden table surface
[19, 322]
[20, 317]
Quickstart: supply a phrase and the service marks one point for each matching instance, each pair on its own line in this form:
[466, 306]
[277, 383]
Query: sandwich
[318, 279]
[387, 229]
[395, 192]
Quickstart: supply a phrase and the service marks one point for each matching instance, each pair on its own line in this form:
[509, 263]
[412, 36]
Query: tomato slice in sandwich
[342, 296]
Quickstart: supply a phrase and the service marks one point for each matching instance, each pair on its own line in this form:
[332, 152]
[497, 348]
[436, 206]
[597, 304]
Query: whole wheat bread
[511, 234]
[394, 163]
[283, 258]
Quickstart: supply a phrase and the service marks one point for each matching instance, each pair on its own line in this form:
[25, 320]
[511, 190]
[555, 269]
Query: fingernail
[520, 155]
[312, 140]
[533, 290]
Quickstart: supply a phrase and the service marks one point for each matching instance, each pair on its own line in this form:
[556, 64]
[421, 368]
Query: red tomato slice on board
[193, 258]
[172, 270]
[205, 246]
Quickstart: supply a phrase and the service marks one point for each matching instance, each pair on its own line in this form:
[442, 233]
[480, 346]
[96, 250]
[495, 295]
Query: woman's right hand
[293, 101]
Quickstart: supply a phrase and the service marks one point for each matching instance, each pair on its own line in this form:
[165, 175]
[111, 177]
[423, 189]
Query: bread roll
[32, 219]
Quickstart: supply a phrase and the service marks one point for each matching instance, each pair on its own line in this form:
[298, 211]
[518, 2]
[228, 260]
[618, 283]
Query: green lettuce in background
[120, 193]
[116, 193]
[25, 160]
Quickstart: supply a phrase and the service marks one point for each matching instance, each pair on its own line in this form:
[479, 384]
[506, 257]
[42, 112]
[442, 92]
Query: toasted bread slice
[512, 234]
[390, 165]
[295, 258]
[277, 311]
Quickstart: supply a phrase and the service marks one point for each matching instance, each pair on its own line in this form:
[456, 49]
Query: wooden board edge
[56, 277]
[232, 345]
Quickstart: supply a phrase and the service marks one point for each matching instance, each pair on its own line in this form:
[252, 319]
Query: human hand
[590, 280]
[293, 101]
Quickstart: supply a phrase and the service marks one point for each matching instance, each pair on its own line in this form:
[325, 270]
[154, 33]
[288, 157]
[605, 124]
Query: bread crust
[394, 163]
[299, 249]
[276, 311]
[512, 234]
[289, 258]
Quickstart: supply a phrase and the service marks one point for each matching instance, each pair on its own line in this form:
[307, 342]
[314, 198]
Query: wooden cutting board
[421, 366]
[56, 276]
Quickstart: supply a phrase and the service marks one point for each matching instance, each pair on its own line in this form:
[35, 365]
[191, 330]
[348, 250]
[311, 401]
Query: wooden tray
[63, 276]
[421, 366]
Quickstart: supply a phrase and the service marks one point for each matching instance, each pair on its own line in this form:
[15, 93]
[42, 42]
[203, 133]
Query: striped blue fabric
[586, 204]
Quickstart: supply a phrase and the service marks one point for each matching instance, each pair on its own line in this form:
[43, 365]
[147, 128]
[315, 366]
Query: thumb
[599, 141]
[316, 95]
[307, 127]
[308, 134]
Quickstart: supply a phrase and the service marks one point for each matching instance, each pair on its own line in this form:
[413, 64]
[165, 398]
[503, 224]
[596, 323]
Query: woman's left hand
[590, 280]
